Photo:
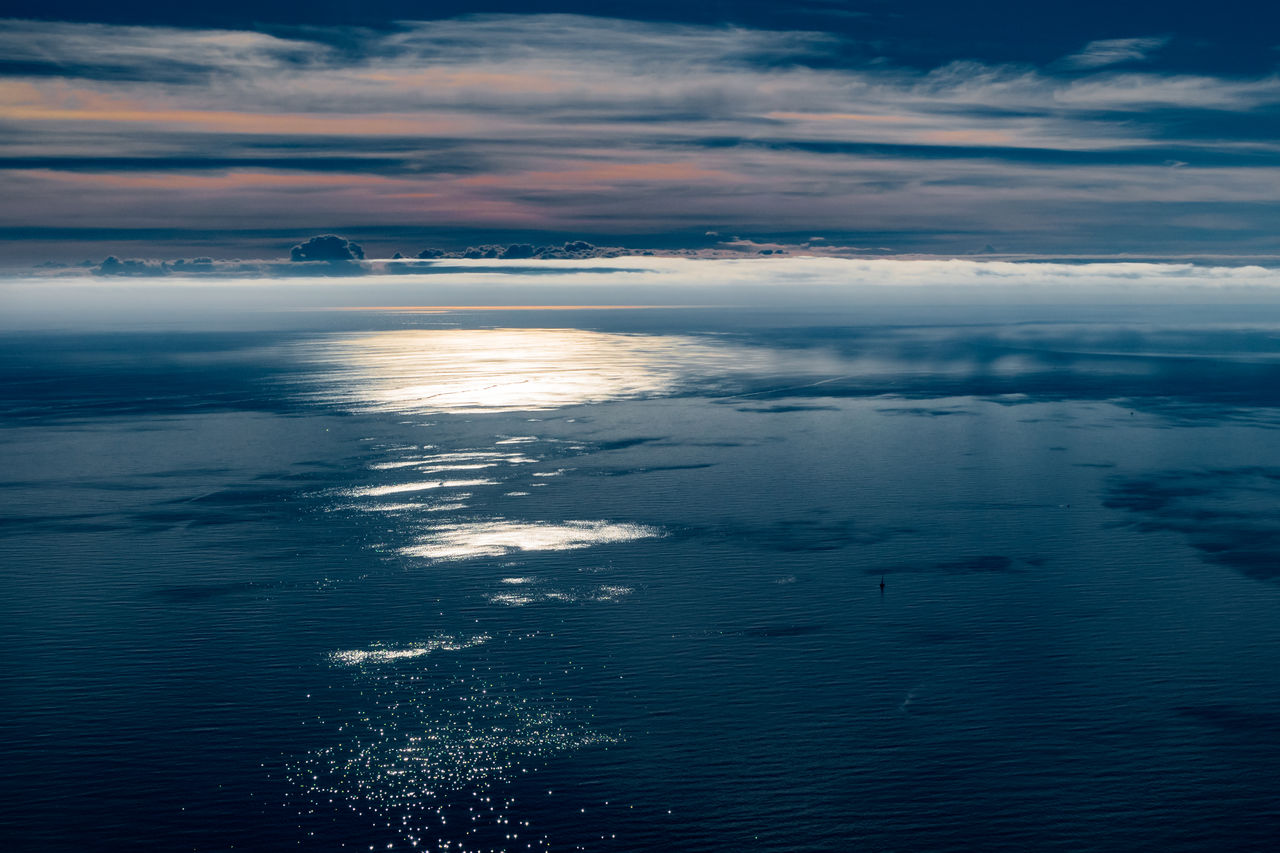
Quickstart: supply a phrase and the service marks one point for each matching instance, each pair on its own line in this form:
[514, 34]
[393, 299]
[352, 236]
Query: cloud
[1096, 54]
[203, 293]
[132, 267]
[746, 272]
[603, 127]
[518, 250]
[327, 247]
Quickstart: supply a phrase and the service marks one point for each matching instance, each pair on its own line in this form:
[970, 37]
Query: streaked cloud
[1114, 51]
[571, 124]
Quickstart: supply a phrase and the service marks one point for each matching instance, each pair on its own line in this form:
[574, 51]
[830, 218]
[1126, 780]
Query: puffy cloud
[132, 267]
[518, 250]
[326, 247]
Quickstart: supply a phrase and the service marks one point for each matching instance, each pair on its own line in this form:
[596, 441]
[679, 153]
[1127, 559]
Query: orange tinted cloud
[435, 78]
[611, 173]
[59, 102]
[967, 137]
[377, 124]
[236, 180]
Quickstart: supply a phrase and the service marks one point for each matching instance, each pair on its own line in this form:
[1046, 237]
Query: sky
[160, 130]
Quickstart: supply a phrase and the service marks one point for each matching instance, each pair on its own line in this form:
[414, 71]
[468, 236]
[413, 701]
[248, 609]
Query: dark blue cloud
[326, 247]
[1234, 35]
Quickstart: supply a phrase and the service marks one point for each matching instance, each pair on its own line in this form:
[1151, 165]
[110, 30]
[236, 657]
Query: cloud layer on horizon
[561, 123]
[613, 279]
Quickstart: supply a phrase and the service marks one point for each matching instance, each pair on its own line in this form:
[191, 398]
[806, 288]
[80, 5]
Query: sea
[644, 579]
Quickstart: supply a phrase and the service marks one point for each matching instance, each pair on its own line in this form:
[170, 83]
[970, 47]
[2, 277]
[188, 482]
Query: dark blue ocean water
[611, 581]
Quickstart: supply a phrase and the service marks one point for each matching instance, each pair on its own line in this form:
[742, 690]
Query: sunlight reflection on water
[384, 654]
[502, 370]
[421, 486]
[467, 728]
[499, 537]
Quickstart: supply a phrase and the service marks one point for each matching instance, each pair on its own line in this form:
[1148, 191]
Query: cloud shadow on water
[980, 564]
[1227, 515]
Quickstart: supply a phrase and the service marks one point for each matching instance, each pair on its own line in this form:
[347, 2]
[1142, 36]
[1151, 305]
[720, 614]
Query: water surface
[611, 581]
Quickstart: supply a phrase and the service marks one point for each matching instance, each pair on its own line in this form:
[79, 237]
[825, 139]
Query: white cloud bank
[795, 282]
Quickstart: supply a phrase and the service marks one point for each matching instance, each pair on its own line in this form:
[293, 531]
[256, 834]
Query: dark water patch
[71, 378]
[192, 593]
[624, 443]
[940, 637]
[1004, 506]
[783, 408]
[1152, 495]
[800, 535]
[213, 518]
[117, 485]
[647, 469]
[1205, 375]
[27, 525]
[774, 631]
[1227, 515]
[224, 507]
[982, 564]
[241, 497]
[1093, 464]
[35, 521]
[1235, 719]
[1258, 564]
[326, 464]
[985, 563]
[310, 477]
[921, 412]
[185, 473]
[1180, 413]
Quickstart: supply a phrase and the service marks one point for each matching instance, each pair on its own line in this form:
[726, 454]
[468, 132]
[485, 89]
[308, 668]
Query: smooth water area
[612, 581]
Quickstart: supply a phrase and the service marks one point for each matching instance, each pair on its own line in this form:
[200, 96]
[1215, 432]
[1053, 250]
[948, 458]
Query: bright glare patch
[398, 488]
[512, 599]
[415, 507]
[497, 538]
[608, 592]
[503, 370]
[384, 654]
[428, 745]
[402, 463]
